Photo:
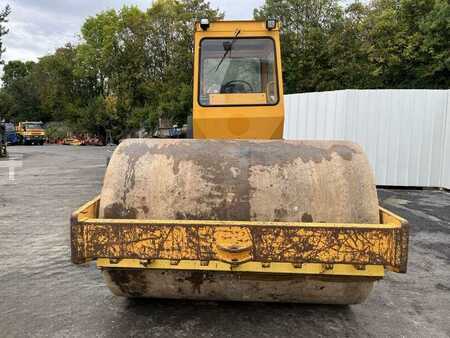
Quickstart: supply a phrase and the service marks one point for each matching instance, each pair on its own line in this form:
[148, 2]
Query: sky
[38, 27]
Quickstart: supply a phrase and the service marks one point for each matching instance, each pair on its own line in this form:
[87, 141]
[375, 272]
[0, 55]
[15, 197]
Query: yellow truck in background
[31, 133]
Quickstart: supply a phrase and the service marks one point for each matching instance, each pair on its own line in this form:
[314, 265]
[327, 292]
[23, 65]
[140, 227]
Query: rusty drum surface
[308, 181]
[305, 181]
[221, 286]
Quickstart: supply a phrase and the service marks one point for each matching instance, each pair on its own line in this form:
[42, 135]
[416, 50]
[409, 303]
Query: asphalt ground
[43, 295]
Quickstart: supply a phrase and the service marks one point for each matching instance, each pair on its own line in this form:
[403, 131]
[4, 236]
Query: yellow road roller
[237, 213]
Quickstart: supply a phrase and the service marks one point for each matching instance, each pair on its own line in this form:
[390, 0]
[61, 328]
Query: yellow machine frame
[275, 247]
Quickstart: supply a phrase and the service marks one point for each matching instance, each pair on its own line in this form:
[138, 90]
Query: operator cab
[238, 90]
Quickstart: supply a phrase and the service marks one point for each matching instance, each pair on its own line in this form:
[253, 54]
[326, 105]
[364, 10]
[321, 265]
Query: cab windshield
[33, 126]
[239, 71]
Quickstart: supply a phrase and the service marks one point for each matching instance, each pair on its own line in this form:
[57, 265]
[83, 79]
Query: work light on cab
[271, 24]
[204, 24]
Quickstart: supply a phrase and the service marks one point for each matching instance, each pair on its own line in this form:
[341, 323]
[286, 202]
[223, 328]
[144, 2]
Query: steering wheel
[236, 86]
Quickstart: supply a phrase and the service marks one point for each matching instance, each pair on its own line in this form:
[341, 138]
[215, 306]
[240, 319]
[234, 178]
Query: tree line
[132, 67]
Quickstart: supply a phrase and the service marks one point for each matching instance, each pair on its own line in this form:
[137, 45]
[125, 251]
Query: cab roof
[232, 25]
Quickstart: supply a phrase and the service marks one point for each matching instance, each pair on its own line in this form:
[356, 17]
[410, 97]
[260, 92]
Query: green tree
[21, 92]
[385, 44]
[435, 28]
[409, 42]
[170, 54]
[307, 26]
[3, 30]
[130, 68]
[142, 61]
[60, 91]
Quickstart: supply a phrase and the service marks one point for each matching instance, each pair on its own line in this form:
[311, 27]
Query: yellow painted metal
[275, 247]
[256, 267]
[240, 121]
[88, 213]
[89, 209]
[237, 99]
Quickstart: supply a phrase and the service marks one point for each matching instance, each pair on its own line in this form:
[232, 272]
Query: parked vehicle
[3, 152]
[31, 133]
[72, 141]
[174, 132]
[11, 134]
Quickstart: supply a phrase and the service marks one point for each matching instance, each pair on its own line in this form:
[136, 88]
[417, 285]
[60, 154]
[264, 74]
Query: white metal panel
[445, 182]
[405, 133]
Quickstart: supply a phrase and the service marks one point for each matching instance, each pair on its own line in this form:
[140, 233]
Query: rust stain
[119, 211]
[345, 152]
[196, 279]
[307, 218]
[280, 214]
[134, 151]
[131, 282]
